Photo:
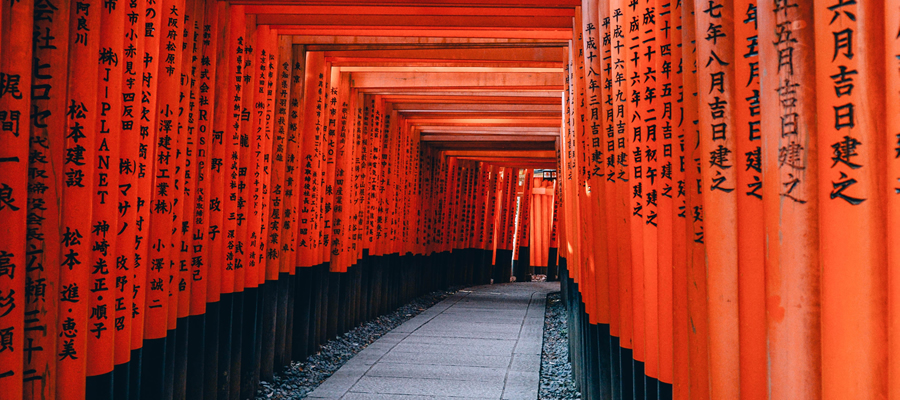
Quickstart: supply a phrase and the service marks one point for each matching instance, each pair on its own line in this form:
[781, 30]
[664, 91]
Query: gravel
[302, 378]
[556, 371]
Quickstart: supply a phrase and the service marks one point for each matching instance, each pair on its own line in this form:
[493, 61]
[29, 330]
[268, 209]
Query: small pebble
[556, 371]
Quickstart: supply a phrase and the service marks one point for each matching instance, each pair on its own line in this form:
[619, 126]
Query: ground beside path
[483, 342]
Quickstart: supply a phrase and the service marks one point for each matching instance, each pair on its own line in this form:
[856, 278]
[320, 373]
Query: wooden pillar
[716, 85]
[15, 107]
[667, 88]
[892, 101]
[81, 121]
[106, 290]
[790, 201]
[680, 239]
[849, 82]
[698, 342]
[46, 180]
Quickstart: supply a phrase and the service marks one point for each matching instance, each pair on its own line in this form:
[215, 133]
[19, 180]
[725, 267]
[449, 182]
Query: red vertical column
[849, 82]
[172, 54]
[491, 215]
[193, 17]
[715, 76]
[594, 159]
[604, 168]
[680, 321]
[892, 102]
[292, 161]
[553, 241]
[633, 135]
[651, 111]
[313, 109]
[128, 263]
[623, 190]
[244, 273]
[254, 164]
[751, 250]
[481, 210]
[45, 183]
[15, 108]
[219, 163]
[358, 176]
[343, 156]
[666, 187]
[80, 132]
[278, 202]
[525, 217]
[266, 158]
[201, 240]
[146, 166]
[790, 182]
[583, 237]
[232, 136]
[698, 341]
[105, 287]
[329, 148]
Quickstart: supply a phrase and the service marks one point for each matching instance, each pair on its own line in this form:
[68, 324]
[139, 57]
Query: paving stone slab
[481, 343]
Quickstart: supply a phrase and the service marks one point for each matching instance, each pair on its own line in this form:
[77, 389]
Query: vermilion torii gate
[193, 193]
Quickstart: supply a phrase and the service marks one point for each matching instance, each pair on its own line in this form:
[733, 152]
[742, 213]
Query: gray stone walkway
[481, 343]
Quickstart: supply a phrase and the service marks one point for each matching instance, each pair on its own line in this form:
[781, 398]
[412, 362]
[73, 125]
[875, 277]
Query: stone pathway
[483, 342]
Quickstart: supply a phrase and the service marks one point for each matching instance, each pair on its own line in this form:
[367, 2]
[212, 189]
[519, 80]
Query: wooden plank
[365, 9]
[540, 81]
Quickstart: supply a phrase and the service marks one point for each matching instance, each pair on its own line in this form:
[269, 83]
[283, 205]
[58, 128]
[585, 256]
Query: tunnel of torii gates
[194, 193]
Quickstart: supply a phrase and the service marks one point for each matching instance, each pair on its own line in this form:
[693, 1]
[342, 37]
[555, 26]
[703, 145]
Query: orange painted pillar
[648, 142]
[621, 222]
[105, 287]
[666, 187]
[553, 239]
[751, 249]
[790, 182]
[634, 136]
[15, 109]
[374, 148]
[40, 299]
[265, 158]
[256, 85]
[331, 127]
[605, 174]
[593, 169]
[491, 215]
[892, 102]
[580, 153]
[481, 209]
[245, 163]
[292, 163]
[275, 241]
[172, 166]
[343, 157]
[200, 265]
[130, 263]
[187, 174]
[220, 275]
[81, 121]
[718, 160]
[698, 341]
[849, 83]
[680, 239]
[312, 110]
[524, 221]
